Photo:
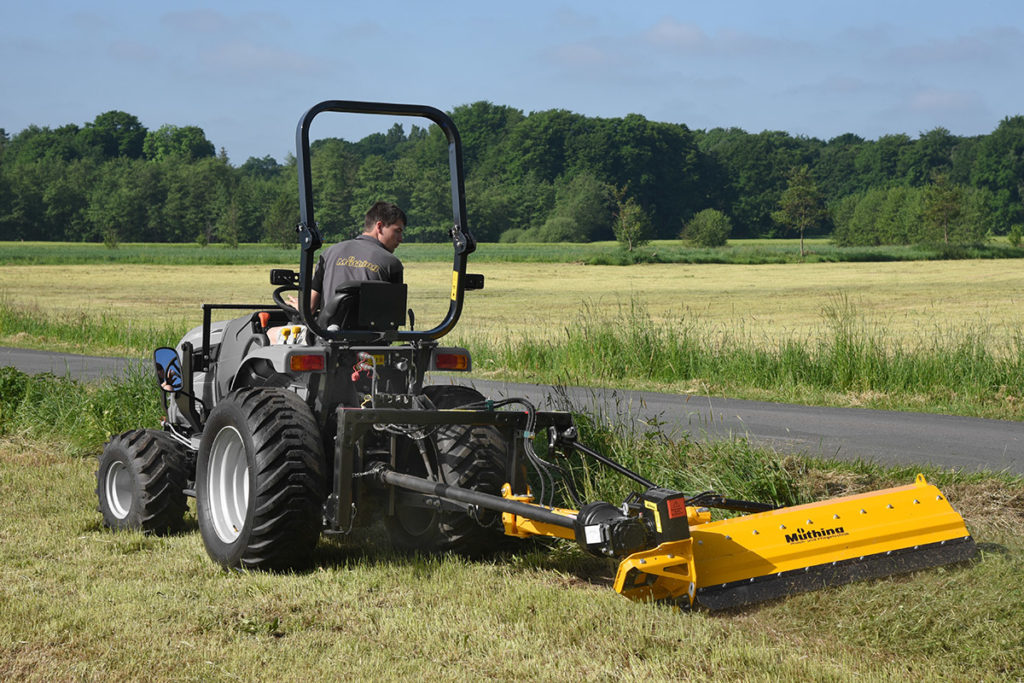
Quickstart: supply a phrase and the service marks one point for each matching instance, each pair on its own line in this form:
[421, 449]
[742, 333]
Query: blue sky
[245, 72]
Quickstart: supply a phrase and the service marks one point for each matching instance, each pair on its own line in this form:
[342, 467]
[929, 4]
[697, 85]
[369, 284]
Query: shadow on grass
[521, 556]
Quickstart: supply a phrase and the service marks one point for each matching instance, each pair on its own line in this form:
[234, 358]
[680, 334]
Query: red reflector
[451, 361]
[306, 363]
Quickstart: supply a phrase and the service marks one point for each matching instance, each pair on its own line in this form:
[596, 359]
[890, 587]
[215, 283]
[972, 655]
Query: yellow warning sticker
[455, 284]
[657, 518]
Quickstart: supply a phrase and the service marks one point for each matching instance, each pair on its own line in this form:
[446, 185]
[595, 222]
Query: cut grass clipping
[79, 602]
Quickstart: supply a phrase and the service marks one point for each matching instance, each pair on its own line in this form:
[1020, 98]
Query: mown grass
[79, 332]
[741, 251]
[79, 602]
[539, 299]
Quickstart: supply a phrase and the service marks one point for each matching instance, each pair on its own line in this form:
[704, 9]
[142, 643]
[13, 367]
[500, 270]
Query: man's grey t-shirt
[362, 258]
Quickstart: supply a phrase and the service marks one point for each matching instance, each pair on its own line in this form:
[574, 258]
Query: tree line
[544, 176]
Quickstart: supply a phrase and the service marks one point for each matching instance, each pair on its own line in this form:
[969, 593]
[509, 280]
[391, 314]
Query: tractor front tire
[471, 457]
[260, 480]
[140, 482]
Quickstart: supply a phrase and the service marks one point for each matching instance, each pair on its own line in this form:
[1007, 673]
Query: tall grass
[29, 326]
[846, 362]
[75, 418]
[947, 370]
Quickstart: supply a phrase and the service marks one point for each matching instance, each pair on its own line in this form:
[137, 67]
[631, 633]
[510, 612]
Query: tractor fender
[195, 336]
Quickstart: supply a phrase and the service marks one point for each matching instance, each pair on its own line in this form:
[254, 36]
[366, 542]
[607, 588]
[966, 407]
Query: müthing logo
[802, 535]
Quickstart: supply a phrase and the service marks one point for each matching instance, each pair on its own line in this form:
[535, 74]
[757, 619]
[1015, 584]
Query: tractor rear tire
[260, 480]
[140, 482]
[471, 457]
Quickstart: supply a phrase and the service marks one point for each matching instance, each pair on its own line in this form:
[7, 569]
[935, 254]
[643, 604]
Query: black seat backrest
[365, 305]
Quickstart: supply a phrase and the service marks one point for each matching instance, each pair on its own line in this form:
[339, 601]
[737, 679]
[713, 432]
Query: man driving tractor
[369, 256]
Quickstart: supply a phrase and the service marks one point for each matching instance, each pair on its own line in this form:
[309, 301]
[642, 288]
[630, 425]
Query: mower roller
[336, 430]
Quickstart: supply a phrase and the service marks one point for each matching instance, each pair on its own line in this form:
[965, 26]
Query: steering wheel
[291, 311]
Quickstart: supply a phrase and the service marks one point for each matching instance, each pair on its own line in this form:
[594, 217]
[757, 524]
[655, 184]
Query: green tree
[899, 215]
[836, 168]
[1016, 235]
[126, 202]
[495, 208]
[334, 167]
[801, 206]
[36, 144]
[254, 197]
[708, 228]
[281, 220]
[943, 209]
[266, 167]
[999, 167]
[229, 228]
[536, 146]
[856, 217]
[426, 198]
[186, 142]
[66, 200]
[956, 214]
[883, 161]
[483, 127]
[197, 197]
[931, 153]
[374, 182]
[632, 225]
[115, 134]
[756, 165]
[583, 212]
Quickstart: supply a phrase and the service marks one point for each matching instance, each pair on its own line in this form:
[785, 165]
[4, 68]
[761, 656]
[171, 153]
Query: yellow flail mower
[669, 549]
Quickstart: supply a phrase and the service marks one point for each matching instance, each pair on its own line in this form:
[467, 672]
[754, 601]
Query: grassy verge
[850, 363]
[78, 602]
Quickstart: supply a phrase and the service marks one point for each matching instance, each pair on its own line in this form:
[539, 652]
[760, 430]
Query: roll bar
[310, 238]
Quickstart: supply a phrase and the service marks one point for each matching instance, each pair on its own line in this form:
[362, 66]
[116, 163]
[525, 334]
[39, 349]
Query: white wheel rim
[227, 486]
[119, 489]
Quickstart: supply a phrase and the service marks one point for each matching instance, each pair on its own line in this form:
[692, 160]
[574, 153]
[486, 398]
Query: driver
[369, 256]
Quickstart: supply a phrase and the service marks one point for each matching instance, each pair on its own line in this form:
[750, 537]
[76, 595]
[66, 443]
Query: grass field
[911, 301]
[78, 602]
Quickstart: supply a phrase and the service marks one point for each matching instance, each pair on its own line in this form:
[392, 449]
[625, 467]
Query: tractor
[336, 430]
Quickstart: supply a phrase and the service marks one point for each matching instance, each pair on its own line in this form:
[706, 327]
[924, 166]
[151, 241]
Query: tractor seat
[365, 305]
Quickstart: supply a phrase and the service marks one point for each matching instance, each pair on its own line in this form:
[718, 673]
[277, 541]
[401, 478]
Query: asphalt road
[850, 433]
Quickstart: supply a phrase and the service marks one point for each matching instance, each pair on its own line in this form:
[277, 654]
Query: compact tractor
[334, 430]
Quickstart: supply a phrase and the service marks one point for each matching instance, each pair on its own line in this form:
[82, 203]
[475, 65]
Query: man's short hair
[385, 212]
